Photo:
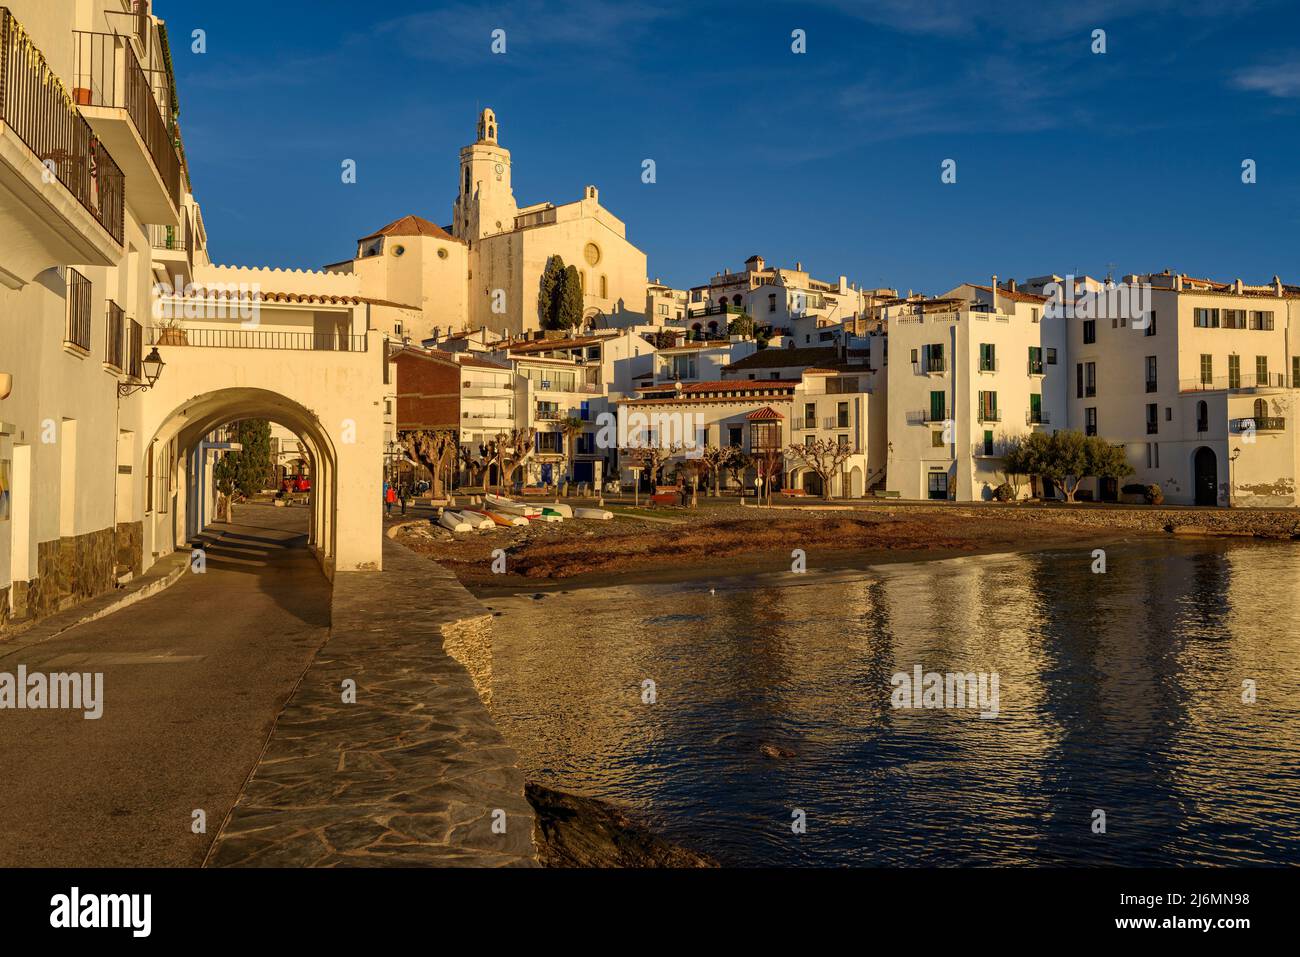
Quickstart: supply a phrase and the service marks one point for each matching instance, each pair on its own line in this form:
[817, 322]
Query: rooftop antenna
[1110, 273]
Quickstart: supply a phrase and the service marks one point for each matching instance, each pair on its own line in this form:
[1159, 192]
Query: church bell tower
[485, 203]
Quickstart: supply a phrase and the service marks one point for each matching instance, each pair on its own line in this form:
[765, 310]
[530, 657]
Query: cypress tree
[548, 292]
[569, 310]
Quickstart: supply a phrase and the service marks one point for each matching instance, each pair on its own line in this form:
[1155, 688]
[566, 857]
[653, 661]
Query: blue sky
[1066, 160]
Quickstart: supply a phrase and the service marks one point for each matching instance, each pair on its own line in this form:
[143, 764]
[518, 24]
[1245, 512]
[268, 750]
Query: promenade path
[194, 678]
[223, 693]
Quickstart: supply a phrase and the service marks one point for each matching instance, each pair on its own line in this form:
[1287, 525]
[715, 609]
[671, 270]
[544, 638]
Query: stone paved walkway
[414, 773]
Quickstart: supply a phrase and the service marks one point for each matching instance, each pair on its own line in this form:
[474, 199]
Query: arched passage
[180, 437]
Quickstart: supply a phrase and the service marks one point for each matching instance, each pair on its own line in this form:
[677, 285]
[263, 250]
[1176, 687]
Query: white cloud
[1278, 79]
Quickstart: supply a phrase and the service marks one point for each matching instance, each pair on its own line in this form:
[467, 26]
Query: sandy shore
[727, 540]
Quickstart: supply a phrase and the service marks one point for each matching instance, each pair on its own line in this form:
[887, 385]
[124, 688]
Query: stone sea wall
[408, 768]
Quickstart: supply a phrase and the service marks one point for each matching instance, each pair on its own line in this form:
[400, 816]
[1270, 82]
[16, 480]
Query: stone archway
[340, 534]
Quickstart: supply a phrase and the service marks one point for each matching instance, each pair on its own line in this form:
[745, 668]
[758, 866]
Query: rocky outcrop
[575, 831]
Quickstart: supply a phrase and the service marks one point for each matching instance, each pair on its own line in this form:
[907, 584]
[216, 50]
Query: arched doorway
[1205, 476]
[339, 483]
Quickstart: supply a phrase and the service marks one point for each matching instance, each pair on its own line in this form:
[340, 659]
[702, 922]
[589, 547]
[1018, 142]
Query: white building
[968, 374]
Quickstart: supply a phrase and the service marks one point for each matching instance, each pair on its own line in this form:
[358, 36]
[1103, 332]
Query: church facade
[485, 269]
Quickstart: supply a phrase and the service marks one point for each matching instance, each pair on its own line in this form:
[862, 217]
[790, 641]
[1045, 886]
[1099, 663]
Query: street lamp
[153, 366]
[1232, 476]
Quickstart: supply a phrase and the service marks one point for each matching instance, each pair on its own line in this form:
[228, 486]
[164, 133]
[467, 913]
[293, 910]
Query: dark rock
[576, 831]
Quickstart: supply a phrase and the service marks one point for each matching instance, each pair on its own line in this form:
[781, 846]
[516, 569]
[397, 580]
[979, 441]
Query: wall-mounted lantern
[153, 366]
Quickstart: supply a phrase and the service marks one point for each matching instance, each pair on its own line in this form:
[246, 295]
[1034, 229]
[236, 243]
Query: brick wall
[428, 391]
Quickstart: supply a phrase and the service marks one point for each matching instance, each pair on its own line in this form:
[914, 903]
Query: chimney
[993, 287]
[1277, 286]
[1011, 285]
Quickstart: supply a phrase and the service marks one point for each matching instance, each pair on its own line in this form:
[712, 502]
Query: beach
[723, 537]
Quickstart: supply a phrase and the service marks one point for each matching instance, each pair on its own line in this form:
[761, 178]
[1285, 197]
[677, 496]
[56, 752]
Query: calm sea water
[1119, 691]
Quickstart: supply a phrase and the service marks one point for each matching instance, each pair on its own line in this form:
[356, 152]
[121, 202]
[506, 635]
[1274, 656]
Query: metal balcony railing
[1274, 380]
[171, 237]
[1263, 423]
[1039, 417]
[115, 336]
[35, 105]
[108, 74]
[1036, 368]
[135, 360]
[257, 339]
[77, 331]
[990, 415]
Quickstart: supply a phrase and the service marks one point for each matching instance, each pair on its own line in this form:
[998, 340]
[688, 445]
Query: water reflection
[1119, 691]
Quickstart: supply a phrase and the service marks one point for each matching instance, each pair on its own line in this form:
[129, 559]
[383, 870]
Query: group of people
[395, 495]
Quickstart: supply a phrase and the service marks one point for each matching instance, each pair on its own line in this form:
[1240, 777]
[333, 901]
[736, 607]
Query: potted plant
[171, 332]
[82, 95]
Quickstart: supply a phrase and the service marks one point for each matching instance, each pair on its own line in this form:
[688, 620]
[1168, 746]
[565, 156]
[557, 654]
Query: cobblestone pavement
[414, 773]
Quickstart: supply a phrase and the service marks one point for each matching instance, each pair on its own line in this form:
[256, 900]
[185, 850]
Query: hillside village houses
[126, 353]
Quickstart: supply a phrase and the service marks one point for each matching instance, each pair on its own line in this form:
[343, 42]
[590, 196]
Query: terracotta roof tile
[412, 226]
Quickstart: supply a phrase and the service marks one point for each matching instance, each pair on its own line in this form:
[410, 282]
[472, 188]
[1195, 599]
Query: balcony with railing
[173, 248]
[990, 415]
[44, 139]
[115, 336]
[245, 338]
[1231, 383]
[77, 326]
[120, 99]
[1037, 417]
[929, 416]
[135, 350]
[718, 309]
[1263, 423]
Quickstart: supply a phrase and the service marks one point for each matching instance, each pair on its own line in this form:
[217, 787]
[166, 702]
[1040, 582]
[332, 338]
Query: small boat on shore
[473, 519]
[553, 514]
[599, 514]
[501, 504]
[564, 511]
[452, 521]
[500, 518]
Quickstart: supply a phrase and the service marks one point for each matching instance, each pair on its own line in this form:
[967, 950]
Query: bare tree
[474, 460]
[769, 461]
[824, 457]
[735, 462]
[694, 470]
[713, 459]
[513, 449]
[652, 457]
[435, 450]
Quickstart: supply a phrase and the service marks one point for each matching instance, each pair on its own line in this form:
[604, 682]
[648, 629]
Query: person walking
[390, 496]
[402, 495]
